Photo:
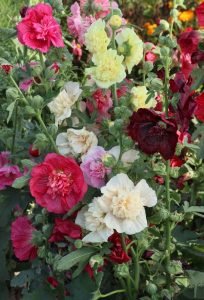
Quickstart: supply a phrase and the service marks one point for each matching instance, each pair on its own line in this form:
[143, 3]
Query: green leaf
[194, 209]
[22, 278]
[20, 182]
[7, 33]
[71, 259]
[44, 292]
[28, 163]
[10, 109]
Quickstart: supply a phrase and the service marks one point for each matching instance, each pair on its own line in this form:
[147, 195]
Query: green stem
[112, 293]
[123, 242]
[114, 94]
[168, 224]
[17, 87]
[73, 210]
[135, 255]
[15, 128]
[42, 124]
[166, 93]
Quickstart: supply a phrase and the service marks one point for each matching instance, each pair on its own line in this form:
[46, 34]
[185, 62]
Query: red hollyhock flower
[199, 112]
[7, 68]
[65, 228]
[39, 30]
[33, 151]
[200, 14]
[197, 57]
[153, 132]
[189, 41]
[58, 183]
[176, 161]
[159, 179]
[21, 237]
[118, 255]
[54, 283]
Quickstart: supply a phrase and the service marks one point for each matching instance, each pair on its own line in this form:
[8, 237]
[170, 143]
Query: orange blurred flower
[150, 28]
[186, 16]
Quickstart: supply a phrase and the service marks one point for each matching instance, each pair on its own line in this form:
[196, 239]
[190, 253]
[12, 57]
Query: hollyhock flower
[90, 270]
[153, 132]
[122, 90]
[100, 7]
[183, 136]
[4, 158]
[39, 30]
[54, 283]
[197, 56]
[8, 174]
[149, 54]
[130, 46]
[61, 105]
[186, 64]
[118, 255]
[77, 24]
[96, 39]
[33, 151]
[199, 112]
[26, 84]
[159, 179]
[176, 161]
[76, 141]
[189, 41]
[57, 184]
[127, 157]
[76, 50]
[21, 237]
[186, 16]
[93, 167]
[55, 67]
[7, 68]
[108, 69]
[139, 96]
[200, 14]
[103, 102]
[63, 228]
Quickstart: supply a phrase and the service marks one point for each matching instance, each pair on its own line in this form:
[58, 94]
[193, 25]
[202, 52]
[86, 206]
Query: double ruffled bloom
[57, 184]
[39, 30]
[65, 228]
[120, 208]
[139, 96]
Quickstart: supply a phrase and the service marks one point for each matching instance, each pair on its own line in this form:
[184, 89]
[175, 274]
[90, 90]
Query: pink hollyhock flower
[58, 183]
[199, 112]
[103, 102]
[93, 167]
[100, 7]
[64, 228]
[78, 25]
[39, 30]
[153, 132]
[21, 237]
[76, 50]
[200, 14]
[8, 175]
[150, 55]
[26, 84]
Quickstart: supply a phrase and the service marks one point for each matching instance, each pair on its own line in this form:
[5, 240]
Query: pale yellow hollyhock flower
[108, 69]
[139, 96]
[96, 39]
[131, 46]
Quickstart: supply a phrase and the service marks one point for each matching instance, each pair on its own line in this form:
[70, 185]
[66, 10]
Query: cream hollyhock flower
[131, 46]
[108, 70]
[76, 141]
[96, 39]
[61, 105]
[91, 218]
[127, 158]
[139, 96]
[124, 203]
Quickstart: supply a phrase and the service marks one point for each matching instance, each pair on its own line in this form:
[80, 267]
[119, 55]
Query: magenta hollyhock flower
[189, 41]
[39, 30]
[8, 174]
[63, 228]
[153, 132]
[93, 167]
[26, 84]
[200, 14]
[102, 101]
[4, 158]
[58, 183]
[199, 112]
[21, 237]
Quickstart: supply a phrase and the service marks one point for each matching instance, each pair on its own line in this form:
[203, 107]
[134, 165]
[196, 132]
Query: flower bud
[37, 238]
[108, 160]
[115, 21]
[42, 252]
[37, 102]
[29, 111]
[12, 93]
[39, 219]
[96, 260]
[164, 25]
[47, 230]
[121, 271]
[151, 288]
[78, 244]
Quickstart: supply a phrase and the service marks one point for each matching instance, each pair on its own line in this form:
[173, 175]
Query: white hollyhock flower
[61, 105]
[76, 141]
[91, 218]
[124, 204]
[127, 158]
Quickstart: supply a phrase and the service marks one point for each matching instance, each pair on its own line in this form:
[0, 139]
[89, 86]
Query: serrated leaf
[10, 109]
[193, 209]
[20, 182]
[7, 33]
[71, 259]
[28, 163]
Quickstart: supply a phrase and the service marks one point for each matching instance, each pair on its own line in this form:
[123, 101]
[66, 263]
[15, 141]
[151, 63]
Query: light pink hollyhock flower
[103, 102]
[26, 84]
[77, 24]
[101, 7]
[76, 50]
[4, 158]
[150, 55]
[39, 30]
[7, 175]
[93, 167]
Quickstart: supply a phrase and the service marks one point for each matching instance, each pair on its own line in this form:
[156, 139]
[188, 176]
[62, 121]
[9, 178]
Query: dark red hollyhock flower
[180, 84]
[148, 254]
[159, 179]
[54, 283]
[90, 271]
[118, 255]
[189, 41]
[64, 228]
[199, 112]
[180, 183]
[176, 161]
[58, 183]
[197, 57]
[23, 11]
[33, 151]
[153, 132]
[7, 68]
[55, 67]
[21, 237]
[200, 14]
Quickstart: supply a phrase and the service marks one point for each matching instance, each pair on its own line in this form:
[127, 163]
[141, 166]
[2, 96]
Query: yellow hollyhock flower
[131, 46]
[139, 96]
[96, 39]
[108, 68]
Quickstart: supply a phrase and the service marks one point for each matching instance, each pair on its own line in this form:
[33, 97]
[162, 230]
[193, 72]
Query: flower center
[97, 169]
[59, 184]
